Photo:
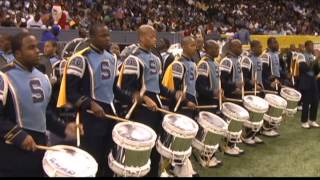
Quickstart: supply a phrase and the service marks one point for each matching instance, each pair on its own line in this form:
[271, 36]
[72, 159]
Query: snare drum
[293, 97]
[176, 139]
[130, 156]
[277, 105]
[256, 107]
[235, 116]
[69, 162]
[211, 130]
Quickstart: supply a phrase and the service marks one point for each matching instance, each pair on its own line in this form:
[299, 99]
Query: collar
[97, 50]
[144, 50]
[22, 66]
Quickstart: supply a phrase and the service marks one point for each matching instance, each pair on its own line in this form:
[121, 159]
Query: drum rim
[201, 146]
[273, 103]
[247, 105]
[230, 115]
[130, 144]
[168, 153]
[93, 162]
[272, 119]
[122, 170]
[288, 96]
[169, 128]
[208, 126]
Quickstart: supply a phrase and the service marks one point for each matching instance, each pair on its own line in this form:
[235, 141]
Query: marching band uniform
[90, 75]
[231, 75]
[141, 72]
[24, 99]
[207, 86]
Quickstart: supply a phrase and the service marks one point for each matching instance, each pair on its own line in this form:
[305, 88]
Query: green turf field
[296, 152]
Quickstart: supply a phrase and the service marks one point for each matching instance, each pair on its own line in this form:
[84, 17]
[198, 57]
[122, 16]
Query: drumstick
[242, 88]
[255, 83]
[180, 99]
[78, 129]
[233, 100]
[135, 103]
[220, 95]
[46, 148]
[161, 110]
[111, 117]
[203, 107]
[271, 92]
[165, 111]
[251, 92]
[131, 110]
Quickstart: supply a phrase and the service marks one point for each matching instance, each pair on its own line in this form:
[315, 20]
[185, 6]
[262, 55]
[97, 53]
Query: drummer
[98, 97]
[30, 94]
[232, 83]
[140, 78]
[252, 73]
[308, 87]
[207, 84]
[183, 73]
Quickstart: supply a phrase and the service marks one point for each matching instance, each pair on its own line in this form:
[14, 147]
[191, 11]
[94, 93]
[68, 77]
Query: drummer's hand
[191, 105]
[71, 130]
[136, 97]
[29, 144]
[151, 105]
[259, 88]
[239, 85]
[97, 109]
[237, 91]
[180, 94]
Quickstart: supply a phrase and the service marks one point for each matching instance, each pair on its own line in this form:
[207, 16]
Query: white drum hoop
[125, 171]
[255, 126]
[176, 131]
[235, 115]
[200, 146]
[261, 107]
[289, 96]
[209, 126]
[276, 101]
[130, 144]
[173, 155]
[274, 120]
[50, 165]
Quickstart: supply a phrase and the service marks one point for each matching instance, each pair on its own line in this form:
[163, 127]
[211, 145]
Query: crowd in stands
[187, 16]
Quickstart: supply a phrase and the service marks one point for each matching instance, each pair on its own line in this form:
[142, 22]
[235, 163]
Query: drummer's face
[257, 50]
[102, 38]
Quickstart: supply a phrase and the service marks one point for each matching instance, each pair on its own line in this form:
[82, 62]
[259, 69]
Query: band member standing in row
[89, 83]
[232, 82]
[308, 86]
[24, 94]
[183, 72]
[252, 73]
[207, 85]
[140, 78]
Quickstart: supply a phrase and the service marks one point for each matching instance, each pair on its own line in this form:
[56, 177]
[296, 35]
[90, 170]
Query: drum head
[255, 103]
[235, 112]
[276, 101]
[132, 134]
[290, 94]
[180, 124]
[209, 120]
[69, 162]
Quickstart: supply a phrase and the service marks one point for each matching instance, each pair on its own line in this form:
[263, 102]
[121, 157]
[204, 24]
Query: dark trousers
[153, 120]
[97, 139]
[309, 106]
[16, 162]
